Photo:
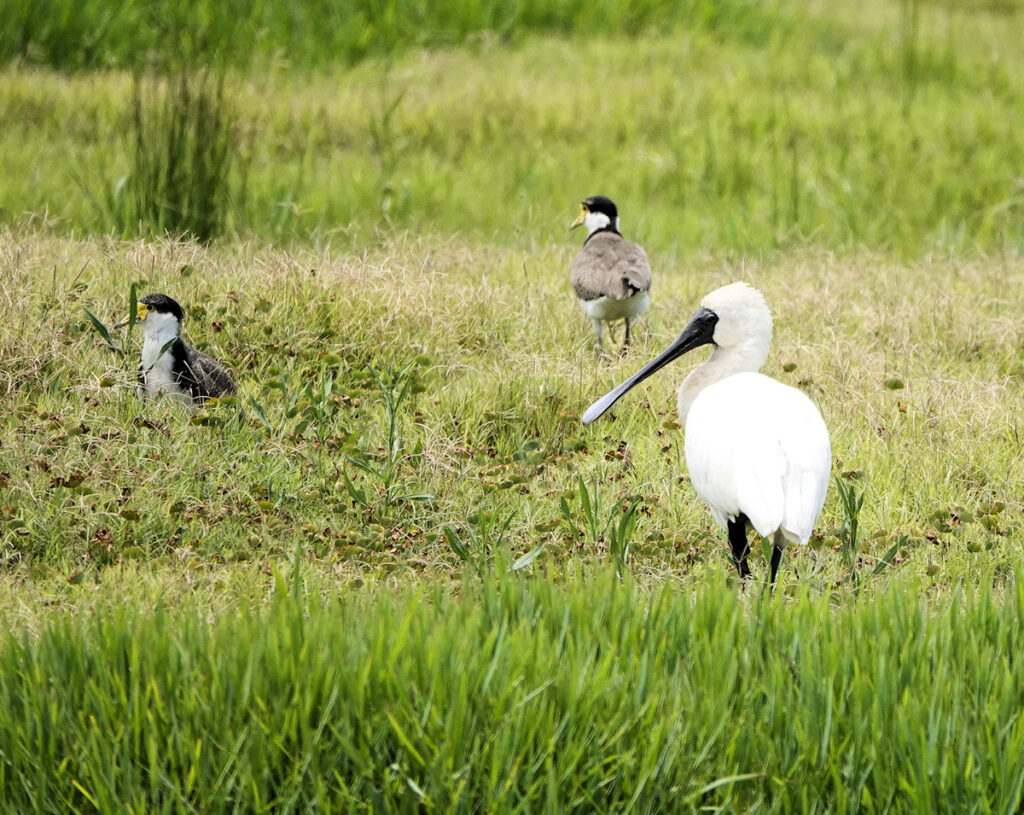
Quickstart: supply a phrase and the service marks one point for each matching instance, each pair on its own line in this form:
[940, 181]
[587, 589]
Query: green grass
[503, 369]
[313, 33]
[186, 163]
[515, 696]
[889, 131]
[397, 574]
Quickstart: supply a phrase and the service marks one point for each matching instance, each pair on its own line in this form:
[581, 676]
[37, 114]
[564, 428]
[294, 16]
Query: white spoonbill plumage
[758, 451]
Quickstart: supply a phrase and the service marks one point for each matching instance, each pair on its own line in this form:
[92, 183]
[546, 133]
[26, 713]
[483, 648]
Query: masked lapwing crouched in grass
[610, 276]
[758, 451]
[171, 366]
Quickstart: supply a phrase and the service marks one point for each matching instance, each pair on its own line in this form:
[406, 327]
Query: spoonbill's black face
[699, 331]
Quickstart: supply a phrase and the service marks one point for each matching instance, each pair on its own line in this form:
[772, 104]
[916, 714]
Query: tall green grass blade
[887, 558]
[731, 779]
[103, 331]
[457, 546]
[528, 558]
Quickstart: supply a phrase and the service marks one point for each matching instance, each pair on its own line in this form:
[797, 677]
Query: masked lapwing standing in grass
[758, 451]
[610, 276]
[169, 365]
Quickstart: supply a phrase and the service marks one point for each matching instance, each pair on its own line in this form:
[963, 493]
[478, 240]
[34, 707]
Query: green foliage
[486, 422]
[123, 348]
[814, 134]
[592, 695]
[314, 403]
[612, 529]
[476, 540]
[187, 169]
[434, 187]
[388, 145]
[382, 484]
[850, 502]
[312, 653]
[316, 33]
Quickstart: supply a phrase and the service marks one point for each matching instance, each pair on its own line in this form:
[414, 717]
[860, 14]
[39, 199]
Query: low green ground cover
[917, 370]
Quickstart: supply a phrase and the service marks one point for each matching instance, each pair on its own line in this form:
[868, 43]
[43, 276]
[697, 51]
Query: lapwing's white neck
[158, 329]
[599, 222]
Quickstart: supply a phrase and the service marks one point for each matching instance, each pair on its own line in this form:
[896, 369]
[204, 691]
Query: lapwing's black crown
[599, 203]
[161, 303]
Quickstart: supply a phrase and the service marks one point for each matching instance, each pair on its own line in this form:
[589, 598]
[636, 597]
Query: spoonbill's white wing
[758, 447]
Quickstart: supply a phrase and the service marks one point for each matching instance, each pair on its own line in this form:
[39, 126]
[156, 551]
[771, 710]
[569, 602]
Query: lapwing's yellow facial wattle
[580, 218]
[142, 309]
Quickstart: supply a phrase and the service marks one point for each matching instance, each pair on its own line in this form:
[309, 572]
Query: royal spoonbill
[610, 276]
[758, 451]
[169, 365]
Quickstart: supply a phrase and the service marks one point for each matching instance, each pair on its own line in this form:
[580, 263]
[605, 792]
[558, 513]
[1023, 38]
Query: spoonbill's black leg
[777, 544]
[738, 541]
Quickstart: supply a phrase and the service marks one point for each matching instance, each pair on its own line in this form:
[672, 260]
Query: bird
[610, 276]
[169, 364]
[757, 451]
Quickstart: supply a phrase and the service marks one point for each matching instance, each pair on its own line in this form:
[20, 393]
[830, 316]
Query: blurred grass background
[316, 33]
[730, 127]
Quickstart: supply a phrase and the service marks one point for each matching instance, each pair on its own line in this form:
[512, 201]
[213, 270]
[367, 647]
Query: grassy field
[922, 395]
[397, 574]
[315, 34]
[893, 130]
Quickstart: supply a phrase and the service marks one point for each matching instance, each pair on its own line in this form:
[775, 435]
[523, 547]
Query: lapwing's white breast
[160, 330]
[610, 308]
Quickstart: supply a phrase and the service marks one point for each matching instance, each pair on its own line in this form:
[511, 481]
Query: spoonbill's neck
[724, 362]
